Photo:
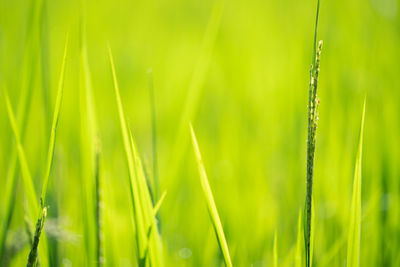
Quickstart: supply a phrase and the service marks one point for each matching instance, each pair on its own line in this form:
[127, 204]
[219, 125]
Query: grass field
[174, 133]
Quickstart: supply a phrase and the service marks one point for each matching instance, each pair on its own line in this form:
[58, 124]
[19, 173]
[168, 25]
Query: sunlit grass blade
[32, 259]
[212, 209]
[158, 204]
[153, 224]
[156, 182]
[50, 154]
[153, 255]
[275, 250]
[26, 175]
[90, 155]
[44, 59]
[196, 84]
[33, 254]
[99, 233]
[298, 255]
[354, 235]
[11, 182]
[140, 196]
[30, 193]
[134, 192]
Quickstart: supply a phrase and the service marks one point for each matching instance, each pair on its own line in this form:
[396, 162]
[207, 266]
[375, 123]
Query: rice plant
[95, 144]
[313, 103]
[354, 235]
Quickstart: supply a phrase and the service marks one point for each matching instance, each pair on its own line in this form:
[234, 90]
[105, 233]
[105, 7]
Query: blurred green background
[239, 70]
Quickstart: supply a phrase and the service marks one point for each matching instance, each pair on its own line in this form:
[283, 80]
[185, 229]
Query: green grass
[103, 156]
[140, 196]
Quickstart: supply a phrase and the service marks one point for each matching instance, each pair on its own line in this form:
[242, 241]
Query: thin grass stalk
[90, 157]
[27, 76]
[212, 208]
[196, 84]
[313, 103]
[99, 237]
[153, 242]
[275, 250]
[32, 258]
[156, 181]
[50, 154]
[135, 194]
[354, 235]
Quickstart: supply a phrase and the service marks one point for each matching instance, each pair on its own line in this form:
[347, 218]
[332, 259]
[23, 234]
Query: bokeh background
[239, 71]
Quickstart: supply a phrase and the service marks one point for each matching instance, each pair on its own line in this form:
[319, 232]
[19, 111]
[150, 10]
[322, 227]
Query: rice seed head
[33, 254]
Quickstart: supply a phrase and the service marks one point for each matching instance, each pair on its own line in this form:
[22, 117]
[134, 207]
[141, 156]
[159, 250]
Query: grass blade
[159, 203]
[197, 80]
[90, 158]
[275, 250]
[26, 175]
[212, 209]
[54, 125]
[298, 258]
[140, 196]
[156, 181]
[33, 254]
[354, 236]
[137, 214]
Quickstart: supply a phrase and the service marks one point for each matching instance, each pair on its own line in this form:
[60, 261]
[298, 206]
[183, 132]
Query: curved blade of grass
[212, 209]
[56, 114]
[354, 236]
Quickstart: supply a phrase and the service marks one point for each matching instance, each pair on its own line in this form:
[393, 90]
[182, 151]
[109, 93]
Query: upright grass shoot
[313, 103]
[354, 235]
[275, 250]
[90, 151]
[139, 193]
[32, 259]
[212, 208]
[30, 193]
[30, 59]
[298, 258]
[196, 84]
[156, 182]
[56, 114]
